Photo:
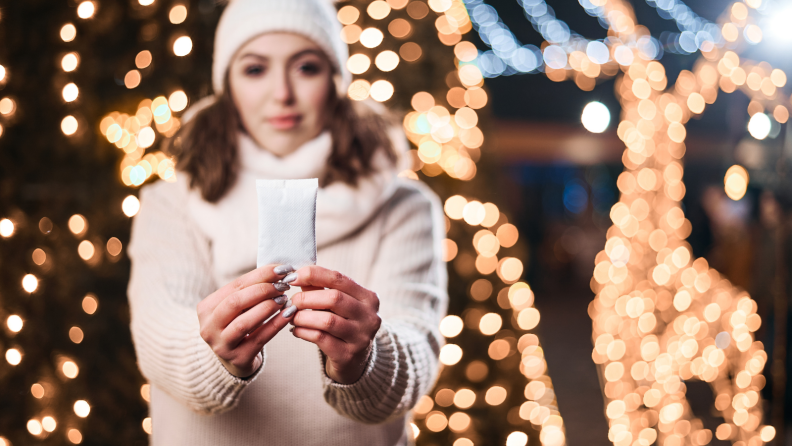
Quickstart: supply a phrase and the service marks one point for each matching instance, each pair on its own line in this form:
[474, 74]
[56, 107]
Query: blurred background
[519, 114]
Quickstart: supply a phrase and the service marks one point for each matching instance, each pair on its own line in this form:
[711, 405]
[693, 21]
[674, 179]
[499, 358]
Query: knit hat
[243, 20]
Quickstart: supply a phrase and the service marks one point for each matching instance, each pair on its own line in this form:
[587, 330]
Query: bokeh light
[29, 283]
[177, 14]
[70, 92]
[182, 46]
[69, 125]
[82, 408]
[595, 117]
[70, 61]
[68, 32]
[6, 228]
[759, 126]
[86, 10]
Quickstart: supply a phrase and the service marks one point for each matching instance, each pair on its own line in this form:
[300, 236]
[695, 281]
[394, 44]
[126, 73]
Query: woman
[208, 325]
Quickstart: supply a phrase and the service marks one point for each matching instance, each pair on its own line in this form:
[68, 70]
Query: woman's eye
[310, 68]
[253, 70]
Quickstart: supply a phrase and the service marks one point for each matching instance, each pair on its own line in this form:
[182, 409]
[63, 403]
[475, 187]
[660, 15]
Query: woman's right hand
[232, 318]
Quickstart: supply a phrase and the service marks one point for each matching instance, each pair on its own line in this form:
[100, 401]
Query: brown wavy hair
[206, 146]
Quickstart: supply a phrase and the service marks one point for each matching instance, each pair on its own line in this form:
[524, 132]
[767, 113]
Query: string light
[29, 283]
[82, 408]
[70, 92]
[759, 126]
[596, 117]
[130, 206]
[86, 10]
[178, 14]
[69, 125]
[6, 228]
[70, 62]
[182, 46]
[14, 323]
[68, 32]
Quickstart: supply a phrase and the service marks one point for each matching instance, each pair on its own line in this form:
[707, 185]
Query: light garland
[649, 310]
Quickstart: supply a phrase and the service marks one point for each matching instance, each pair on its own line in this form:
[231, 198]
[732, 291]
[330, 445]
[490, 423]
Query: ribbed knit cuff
[224, 388]
[370, 363]
[377, 394]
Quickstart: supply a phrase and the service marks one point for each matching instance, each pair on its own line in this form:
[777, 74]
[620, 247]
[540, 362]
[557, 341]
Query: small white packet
[287, 222]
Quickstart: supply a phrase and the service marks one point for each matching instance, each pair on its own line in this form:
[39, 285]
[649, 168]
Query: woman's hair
[206, 146]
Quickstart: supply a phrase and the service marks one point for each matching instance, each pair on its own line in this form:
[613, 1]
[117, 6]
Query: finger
[239, 301]
[330, 300]
[322, 277]
[328, 322]
[327, 343]
[262, 335]
[248, 322]
[263, 274]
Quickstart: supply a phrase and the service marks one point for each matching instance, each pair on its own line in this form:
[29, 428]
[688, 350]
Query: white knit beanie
[243, 20]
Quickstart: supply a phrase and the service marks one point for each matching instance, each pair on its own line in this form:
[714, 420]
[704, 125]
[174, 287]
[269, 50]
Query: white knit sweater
[182, 249]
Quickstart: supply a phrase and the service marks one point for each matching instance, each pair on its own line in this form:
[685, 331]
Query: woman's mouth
[285, 122]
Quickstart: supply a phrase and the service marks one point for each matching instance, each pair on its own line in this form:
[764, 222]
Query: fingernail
[283, 269]
[290, 278]
[289, 311]
[280, 300]
[280, 286]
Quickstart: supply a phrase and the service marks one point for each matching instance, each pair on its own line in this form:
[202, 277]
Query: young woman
[208, 325]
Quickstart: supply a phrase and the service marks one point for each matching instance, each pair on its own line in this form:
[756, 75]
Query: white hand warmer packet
[287, 222]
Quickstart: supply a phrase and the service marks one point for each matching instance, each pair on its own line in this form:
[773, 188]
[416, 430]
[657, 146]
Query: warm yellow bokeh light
[387, 61]
[86, 250]
[114, 246]
[90, 304]
[70, 369]
[86, 10]
[70, 92]
[359, 89]
[450, 354]
[177, 14]
[371, 37]
[132, 79]
[381, 90]
[68, 32]
[37, 390]
[48, 423]
[14, 323]
[348, 15]
[82, 408]
[143, 59]
[77, 224]
[451, 326]
[76, 335]
[69, 125]
[182, 46]
[736, 182]
[13, 356]
[34, 427]
[29, 283]
[74, 436]
[6, 228]
[358, 63]
[70, 61]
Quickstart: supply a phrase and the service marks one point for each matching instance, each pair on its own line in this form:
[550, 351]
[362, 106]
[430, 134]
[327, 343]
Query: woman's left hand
[343, 323]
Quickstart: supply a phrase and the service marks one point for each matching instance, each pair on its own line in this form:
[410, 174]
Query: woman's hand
[343, 323]
[232, 318]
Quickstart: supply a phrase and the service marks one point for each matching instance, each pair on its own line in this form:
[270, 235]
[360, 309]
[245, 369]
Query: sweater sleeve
[410, 278]
[171, 273]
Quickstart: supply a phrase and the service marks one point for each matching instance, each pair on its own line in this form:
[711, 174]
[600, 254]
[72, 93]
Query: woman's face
[280, 84]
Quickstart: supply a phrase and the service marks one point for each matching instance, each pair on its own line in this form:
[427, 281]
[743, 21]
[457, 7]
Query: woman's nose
[284, 91]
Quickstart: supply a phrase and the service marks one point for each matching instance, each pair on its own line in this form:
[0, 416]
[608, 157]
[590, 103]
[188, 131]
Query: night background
[550, 177]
